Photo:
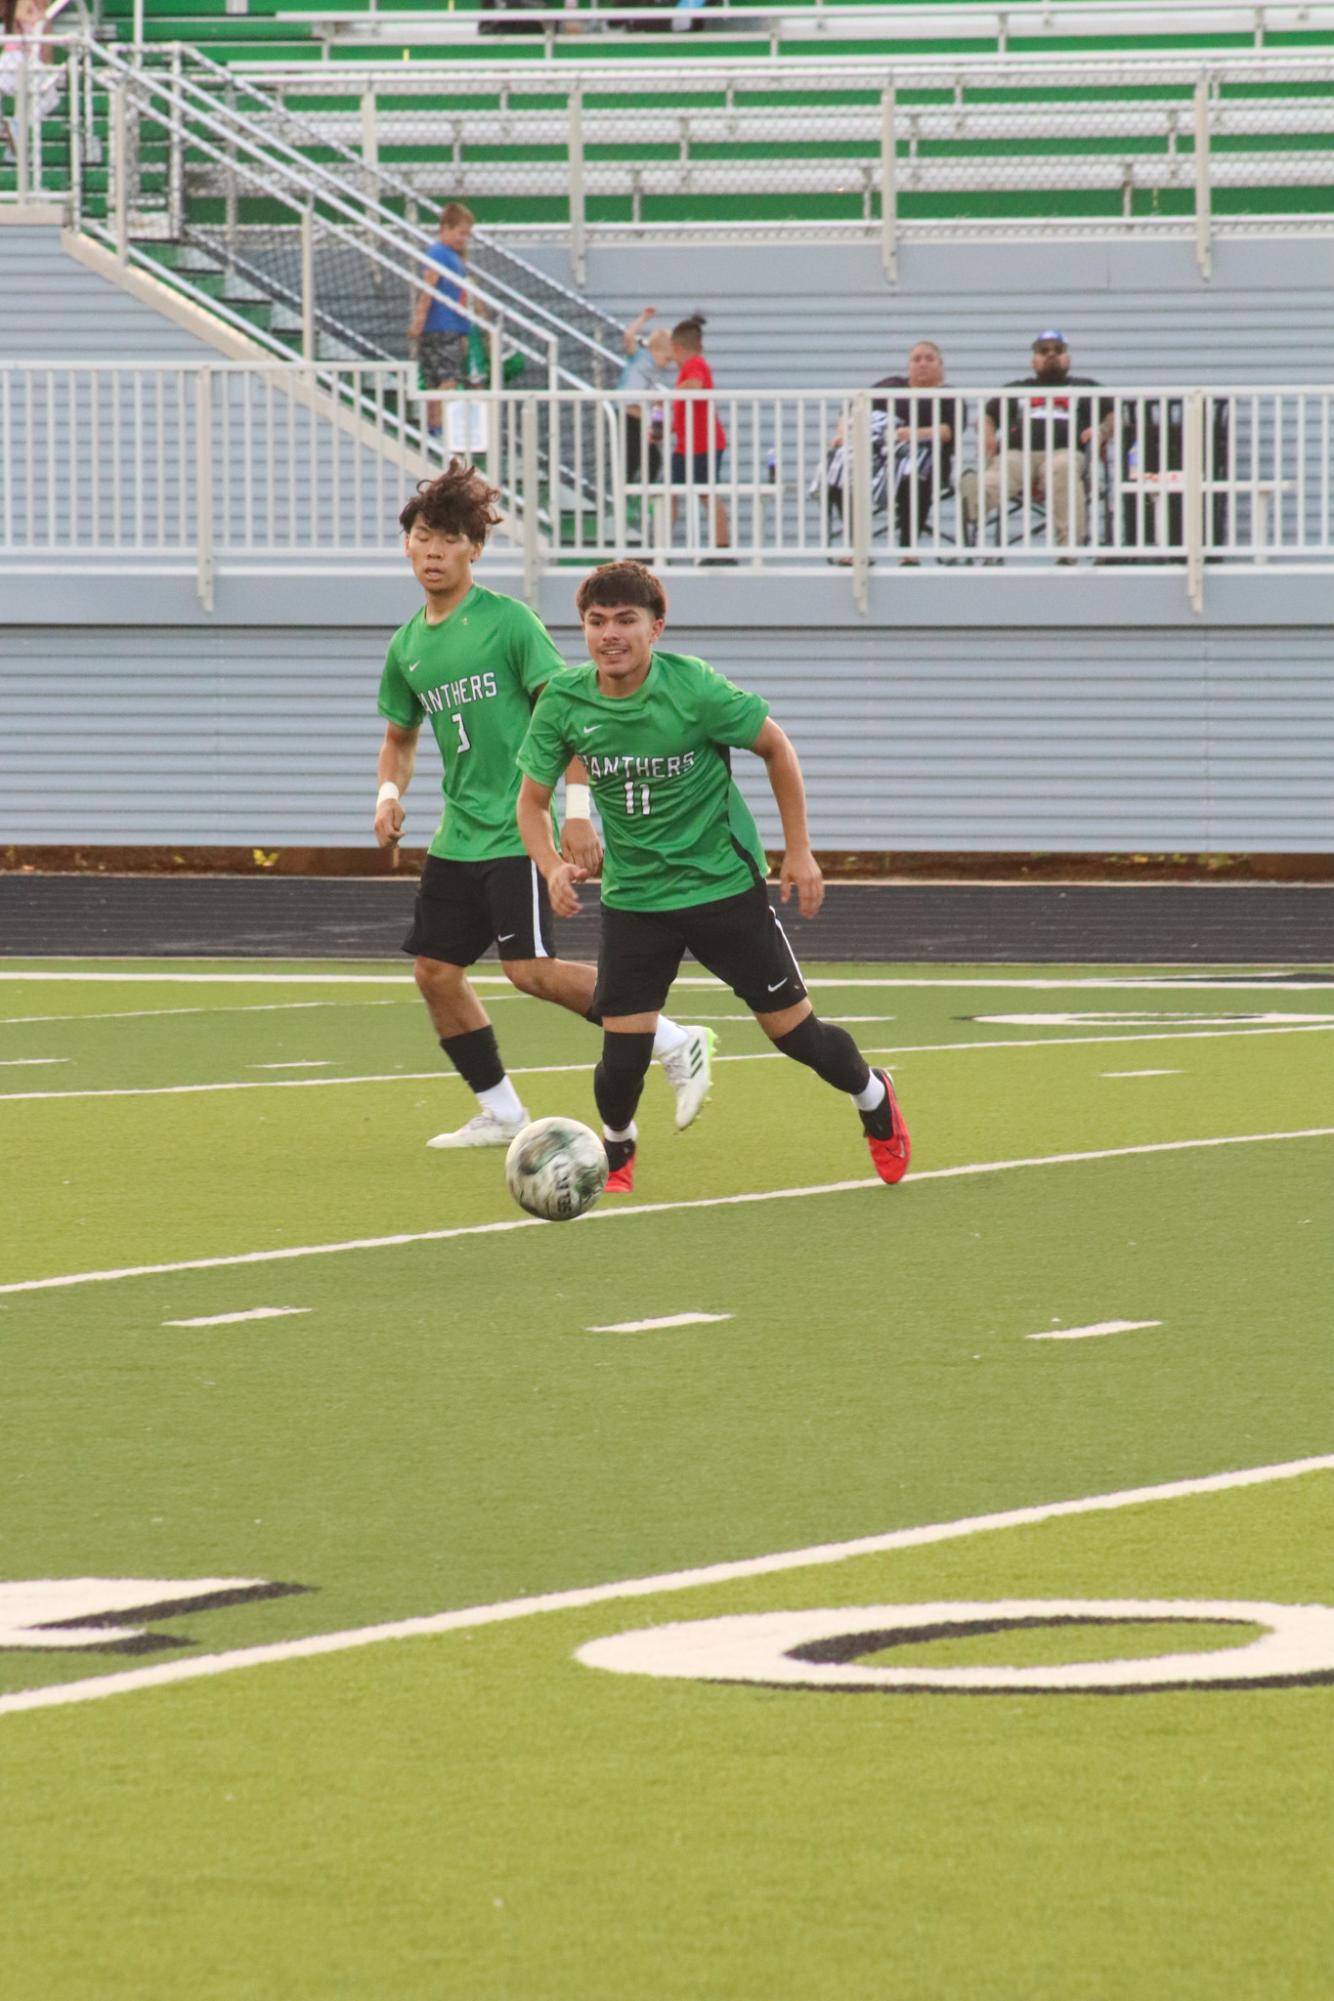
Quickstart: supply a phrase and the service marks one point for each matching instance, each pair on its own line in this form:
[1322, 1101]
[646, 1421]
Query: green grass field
[401, 1777]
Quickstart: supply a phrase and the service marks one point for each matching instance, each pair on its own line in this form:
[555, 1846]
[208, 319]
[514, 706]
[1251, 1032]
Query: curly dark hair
[622, 583]
[459, 502]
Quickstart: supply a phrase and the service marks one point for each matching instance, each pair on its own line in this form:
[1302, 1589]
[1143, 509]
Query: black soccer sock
[476, 1057]
[828, 1050]
[619, 1077]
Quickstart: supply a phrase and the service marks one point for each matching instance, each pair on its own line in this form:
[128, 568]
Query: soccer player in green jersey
[474, 662]
[684, 868]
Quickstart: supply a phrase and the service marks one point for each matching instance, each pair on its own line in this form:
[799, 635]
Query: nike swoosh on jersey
[776, 985]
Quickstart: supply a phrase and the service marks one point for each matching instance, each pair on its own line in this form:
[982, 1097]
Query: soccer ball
[556, 1168]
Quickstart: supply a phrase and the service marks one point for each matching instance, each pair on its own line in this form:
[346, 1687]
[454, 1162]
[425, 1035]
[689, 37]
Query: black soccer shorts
[462, 907]
[739, 939]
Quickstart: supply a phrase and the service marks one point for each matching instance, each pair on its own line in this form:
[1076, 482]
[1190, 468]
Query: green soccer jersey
[475, 675]
[676, 830]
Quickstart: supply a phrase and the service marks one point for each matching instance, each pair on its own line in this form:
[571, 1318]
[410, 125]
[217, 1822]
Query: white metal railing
[218, 469]
[348, 160]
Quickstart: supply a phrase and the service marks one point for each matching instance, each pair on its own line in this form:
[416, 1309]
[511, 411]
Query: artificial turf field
[291, 1796]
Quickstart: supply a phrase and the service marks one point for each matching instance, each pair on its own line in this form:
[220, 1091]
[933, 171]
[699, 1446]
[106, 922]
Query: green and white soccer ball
[556, 1168]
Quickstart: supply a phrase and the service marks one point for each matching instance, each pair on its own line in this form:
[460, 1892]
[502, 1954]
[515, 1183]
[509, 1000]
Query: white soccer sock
[873, 1095]
[667, 1036]
[502, 1101]
[631, 1132]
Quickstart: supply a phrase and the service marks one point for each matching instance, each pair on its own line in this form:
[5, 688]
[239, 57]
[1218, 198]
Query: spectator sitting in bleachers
[440, 322]
[909, 434]
[25, 64]
[1049, 435]
[648, 368]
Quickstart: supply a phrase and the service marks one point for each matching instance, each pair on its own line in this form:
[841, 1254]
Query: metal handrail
[382, 180]
[227, 138]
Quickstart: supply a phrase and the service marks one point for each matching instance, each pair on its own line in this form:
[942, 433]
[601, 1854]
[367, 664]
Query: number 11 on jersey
[630, 798]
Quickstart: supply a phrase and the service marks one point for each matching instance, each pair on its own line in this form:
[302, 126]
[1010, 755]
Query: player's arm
[800, 870]
[425, 300]
[534, 816]
[578, 836]
[398, 758]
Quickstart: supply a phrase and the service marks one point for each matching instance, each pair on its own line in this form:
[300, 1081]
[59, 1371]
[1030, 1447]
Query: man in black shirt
[1047, 434]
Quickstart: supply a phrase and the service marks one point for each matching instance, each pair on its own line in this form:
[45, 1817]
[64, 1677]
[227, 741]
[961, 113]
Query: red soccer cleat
[886, 1135]
[621, 1163]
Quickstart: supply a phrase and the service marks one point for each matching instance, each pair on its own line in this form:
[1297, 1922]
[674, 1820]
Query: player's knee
[531, 976]
[435, 979]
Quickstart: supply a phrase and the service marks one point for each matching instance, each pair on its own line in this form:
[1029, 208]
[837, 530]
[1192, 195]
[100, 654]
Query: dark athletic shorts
[704, 466]
[442, 357]
[462, 907]
[739, 939]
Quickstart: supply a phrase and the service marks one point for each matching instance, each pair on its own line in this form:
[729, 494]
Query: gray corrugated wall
[1178, 740]
[55, 309]
[788, 314]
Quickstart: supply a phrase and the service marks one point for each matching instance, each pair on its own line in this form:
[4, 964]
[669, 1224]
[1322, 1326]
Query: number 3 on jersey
[644, 804]
[465, 741]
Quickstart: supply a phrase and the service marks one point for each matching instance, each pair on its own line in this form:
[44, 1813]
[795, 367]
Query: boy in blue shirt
[440, 324]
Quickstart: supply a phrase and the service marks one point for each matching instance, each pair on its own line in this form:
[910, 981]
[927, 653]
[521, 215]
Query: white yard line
[1142, 1073]
[1095, 1329]
[29, 1062]
[298, 1063]
[97, 1688]
[229, 1319]
[916, 1180]
[575, 1069]
[148, 1013]
[666, 1320]
[1091, 983]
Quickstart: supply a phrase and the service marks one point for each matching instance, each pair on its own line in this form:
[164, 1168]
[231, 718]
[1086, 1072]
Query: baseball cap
[1050, 333]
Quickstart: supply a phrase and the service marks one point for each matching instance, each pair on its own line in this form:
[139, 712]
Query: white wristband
[387, 791]
[578, 802]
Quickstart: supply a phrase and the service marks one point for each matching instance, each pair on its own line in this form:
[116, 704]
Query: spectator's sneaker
[621, 1165]
[689, 1070]
[886, 1135]
[483, 1130]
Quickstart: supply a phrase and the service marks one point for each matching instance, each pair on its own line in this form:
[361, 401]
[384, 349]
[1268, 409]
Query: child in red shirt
[698, 439]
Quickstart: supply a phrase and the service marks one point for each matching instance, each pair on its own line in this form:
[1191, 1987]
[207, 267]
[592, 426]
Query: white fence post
[23, 100]
[230, 195]
[532, 545]
[308, 282]
[1203, 192]
[120, 150]
[176, 153]
[1192, 526]
[889, 192]
[578, 245]
[859, 431]
[204, 487]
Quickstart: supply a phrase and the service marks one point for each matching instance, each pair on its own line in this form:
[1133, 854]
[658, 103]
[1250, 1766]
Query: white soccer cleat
[483, 1130]
[689, 1070]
